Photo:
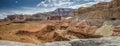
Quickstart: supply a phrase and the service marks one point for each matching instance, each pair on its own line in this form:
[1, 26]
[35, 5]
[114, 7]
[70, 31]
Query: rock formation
[23, 18]
[105, 30]
[105, 10]
[65, 30]
[60, 13]
[105, 41]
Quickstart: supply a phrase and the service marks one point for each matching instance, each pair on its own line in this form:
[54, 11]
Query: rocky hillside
[105, 10]
[23, 18]
[40, 32]
[49, 31]
[62, 12]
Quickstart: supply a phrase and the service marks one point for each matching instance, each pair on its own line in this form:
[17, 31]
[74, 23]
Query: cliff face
[105, 10]
[23, 18]
[115, 3]
[62, 12]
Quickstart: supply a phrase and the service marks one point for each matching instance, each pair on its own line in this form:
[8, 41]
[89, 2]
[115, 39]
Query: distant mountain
[64, 12]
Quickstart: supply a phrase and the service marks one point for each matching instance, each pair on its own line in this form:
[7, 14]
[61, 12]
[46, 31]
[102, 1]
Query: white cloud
[51, 5]
[67, 3]
[83, 5]
[54, 3]
[32, 10]
[102, 0]
[2, 15]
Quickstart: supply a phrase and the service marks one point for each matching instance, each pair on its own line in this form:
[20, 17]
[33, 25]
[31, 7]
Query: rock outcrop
[105, 41]
[64, 12]
[105, 11]
[59, 31]
[65, 30]
[10, 43]
[1, 20]
[23, 18]
[105, 30]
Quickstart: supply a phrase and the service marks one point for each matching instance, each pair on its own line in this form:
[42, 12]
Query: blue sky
[36, 6]
[18, 3]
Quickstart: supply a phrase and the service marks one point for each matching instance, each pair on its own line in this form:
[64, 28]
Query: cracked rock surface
[105, 41]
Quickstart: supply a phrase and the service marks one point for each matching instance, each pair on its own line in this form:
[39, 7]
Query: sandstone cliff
[62, 12]
[105, 10]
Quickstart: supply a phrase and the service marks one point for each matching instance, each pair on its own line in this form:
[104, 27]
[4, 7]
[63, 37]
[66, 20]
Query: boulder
[105, 30]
